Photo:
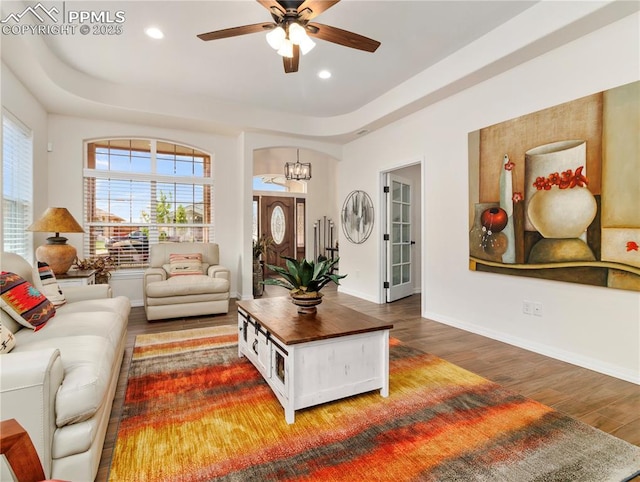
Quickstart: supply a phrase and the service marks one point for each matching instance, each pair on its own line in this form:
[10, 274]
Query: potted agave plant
[304, 279]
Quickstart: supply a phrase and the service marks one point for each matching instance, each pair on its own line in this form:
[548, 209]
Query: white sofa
[59, 382]
[167, 296]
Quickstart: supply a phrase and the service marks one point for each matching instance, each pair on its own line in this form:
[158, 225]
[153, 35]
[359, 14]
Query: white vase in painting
[562, 213]
[558, 213]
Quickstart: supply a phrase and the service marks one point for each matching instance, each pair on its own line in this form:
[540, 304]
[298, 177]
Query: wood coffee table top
[282, 319]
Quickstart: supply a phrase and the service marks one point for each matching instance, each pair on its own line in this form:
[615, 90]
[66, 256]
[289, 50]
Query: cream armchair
[171, 294]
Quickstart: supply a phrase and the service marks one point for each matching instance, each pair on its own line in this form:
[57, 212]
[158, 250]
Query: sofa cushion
[24, 302]
[87, 361]
[50, 287]
[187, 285]
[7, 340]
[104, 324]
[182, 264]
[119, 305]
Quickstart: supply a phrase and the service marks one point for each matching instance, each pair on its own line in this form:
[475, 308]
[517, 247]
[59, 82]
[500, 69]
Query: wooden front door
[277, 219]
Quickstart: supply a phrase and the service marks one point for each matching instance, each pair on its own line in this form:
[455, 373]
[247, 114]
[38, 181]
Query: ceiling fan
[291, 28]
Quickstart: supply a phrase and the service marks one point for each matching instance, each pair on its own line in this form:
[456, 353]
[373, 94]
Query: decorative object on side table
[56, 253]
[304, 280]
[260, 247]
[103, 265]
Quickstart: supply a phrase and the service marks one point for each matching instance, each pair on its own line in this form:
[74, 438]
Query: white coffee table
[312, 359]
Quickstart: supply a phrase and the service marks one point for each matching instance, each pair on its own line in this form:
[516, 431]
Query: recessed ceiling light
[324, 74]
[154, 32]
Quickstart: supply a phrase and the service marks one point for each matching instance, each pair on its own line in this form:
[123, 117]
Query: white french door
[399, 282]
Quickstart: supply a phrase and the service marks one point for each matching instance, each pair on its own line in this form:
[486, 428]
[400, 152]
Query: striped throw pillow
[185, 264]
[24, 302]
[50, 287]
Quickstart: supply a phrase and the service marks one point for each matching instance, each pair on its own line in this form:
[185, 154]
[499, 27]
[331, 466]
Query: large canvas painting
[556, 194]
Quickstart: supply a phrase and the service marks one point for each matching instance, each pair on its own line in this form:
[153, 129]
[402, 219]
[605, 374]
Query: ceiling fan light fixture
[276, 37]
[286, 50]
[297, 33]
[306, 45]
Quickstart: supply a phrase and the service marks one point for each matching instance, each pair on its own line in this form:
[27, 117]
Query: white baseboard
[357, 294]
[562, 355]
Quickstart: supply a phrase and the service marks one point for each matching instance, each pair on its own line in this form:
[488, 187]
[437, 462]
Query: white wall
[66, 161]
[24, 106]
[598, 328]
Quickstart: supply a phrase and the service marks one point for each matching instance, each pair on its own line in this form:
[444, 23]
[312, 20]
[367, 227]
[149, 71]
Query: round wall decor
[357, 217]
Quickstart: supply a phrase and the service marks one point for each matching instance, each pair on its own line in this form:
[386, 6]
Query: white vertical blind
[17, 186]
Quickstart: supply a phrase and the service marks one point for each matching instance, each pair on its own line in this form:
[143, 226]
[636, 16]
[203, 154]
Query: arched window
[144, 191]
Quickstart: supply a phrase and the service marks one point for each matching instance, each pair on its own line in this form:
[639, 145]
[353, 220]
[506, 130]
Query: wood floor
[604, 402]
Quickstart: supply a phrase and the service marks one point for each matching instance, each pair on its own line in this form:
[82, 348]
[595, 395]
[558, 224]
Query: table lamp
[56, 253]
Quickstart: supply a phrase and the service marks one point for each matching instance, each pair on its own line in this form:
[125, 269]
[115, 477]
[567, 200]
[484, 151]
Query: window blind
[17, 186]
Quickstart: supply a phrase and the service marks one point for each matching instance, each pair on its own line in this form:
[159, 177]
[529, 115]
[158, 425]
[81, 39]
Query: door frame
[382, 225]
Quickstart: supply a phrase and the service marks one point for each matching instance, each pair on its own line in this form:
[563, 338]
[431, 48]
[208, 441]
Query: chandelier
[296, 170]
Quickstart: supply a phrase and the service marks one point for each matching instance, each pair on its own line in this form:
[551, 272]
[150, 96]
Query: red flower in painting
[541, 183]
[578, 179]
[567, 180]
[632, 246]
[509, 165]
[554, 178]
[517, 197]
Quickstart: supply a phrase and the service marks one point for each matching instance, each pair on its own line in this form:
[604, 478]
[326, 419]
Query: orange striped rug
[194, 411]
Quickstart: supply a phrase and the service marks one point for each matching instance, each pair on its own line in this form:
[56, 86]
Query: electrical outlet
[527, 307]
[537, 309]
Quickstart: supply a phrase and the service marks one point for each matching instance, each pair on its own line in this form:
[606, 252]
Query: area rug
[194, 411]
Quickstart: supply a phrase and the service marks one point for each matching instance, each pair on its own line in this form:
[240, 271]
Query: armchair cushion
[24, 302]
[191, 285]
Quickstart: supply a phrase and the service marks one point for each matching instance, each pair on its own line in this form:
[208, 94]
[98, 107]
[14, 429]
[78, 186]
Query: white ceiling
[242, 76]
[414, 35]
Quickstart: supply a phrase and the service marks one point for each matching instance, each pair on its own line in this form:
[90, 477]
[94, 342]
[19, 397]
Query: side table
[77, 277]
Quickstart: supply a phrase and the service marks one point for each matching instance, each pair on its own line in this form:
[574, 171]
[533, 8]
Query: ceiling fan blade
[276, 10]
[291, 63]
[235, 31]
[342, 37]
[312, 8]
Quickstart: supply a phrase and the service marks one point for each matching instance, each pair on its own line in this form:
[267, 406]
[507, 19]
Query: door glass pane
[395, 235]
[396, 191]
[278, 225]
[406, 273]
[396, 254]
[300, 225]
[397, 275]
[406, 193]
[254, 226]
[405, 213]
[396, 212]
[406, 253]
[406, 232]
